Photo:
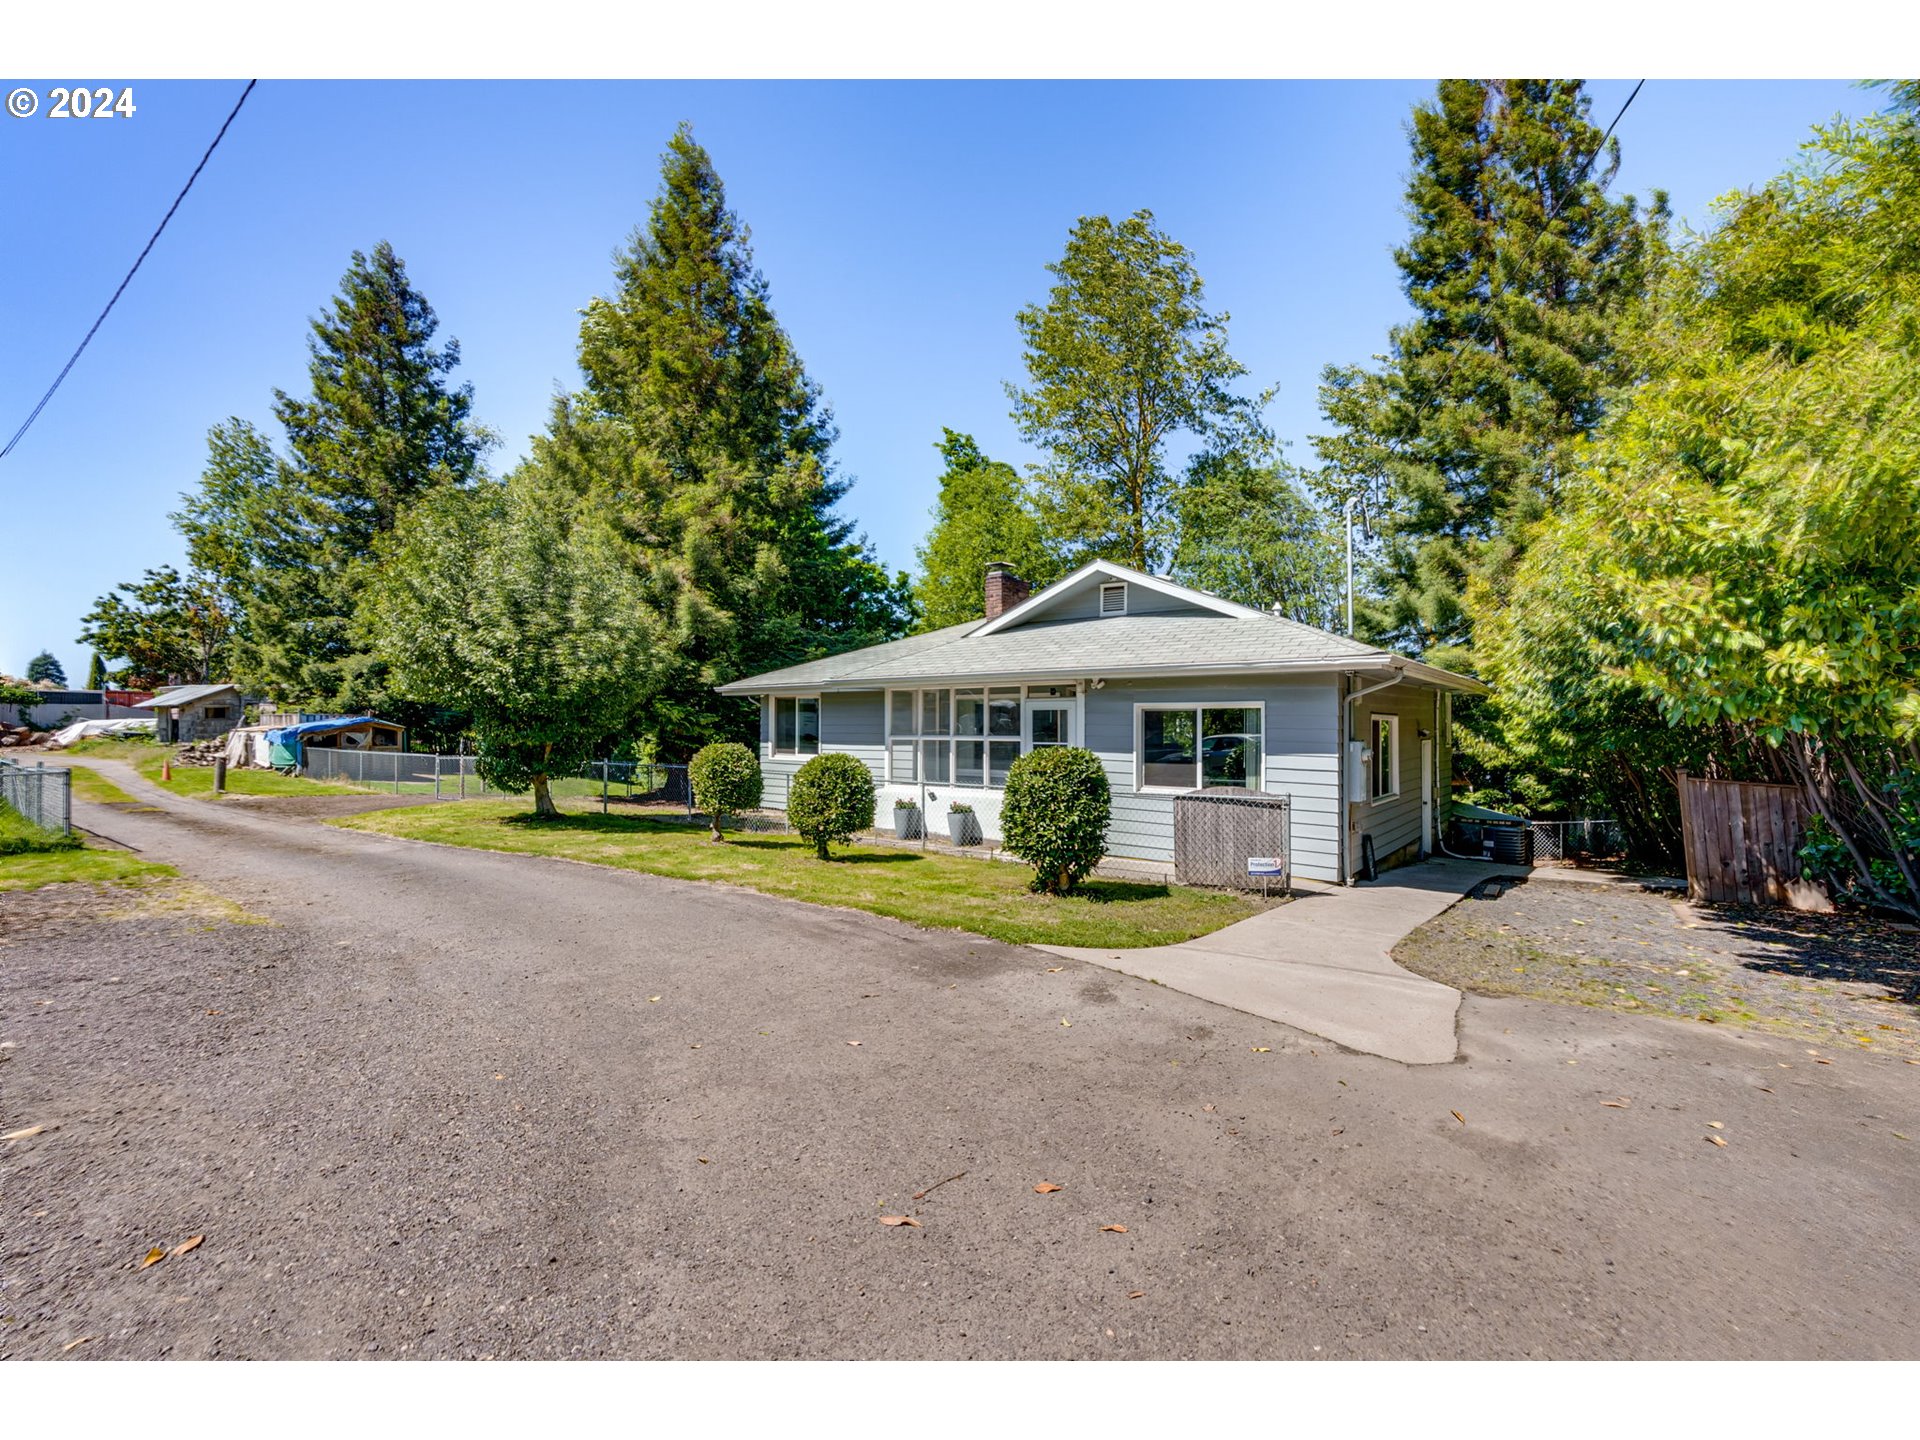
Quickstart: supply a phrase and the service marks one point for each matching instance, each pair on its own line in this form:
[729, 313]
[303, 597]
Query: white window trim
[1140, 709]
[1074, 703]
[1393, 756]
[773, 726]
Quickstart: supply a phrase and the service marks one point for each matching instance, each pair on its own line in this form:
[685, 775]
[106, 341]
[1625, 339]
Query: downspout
[1346, 738]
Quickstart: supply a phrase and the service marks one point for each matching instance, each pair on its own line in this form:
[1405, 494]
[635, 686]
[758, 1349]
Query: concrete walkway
[1320, 963]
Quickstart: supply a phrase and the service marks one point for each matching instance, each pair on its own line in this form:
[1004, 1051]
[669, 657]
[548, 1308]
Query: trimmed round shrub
[726, 780]
[831, 799]
[1055, 815]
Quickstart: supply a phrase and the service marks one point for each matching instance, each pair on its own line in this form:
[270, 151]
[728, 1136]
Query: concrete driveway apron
[1321, 963]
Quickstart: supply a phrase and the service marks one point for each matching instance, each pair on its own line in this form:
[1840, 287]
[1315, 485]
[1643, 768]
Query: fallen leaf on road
[901, 1220]
[192, 1242]
[693, 1047]
[853, 1042]
[703, 1159]
[1047, 1187]
[1715, 1125]
[1898, 1136]
[71, 1344]
[1065, 1024]
[154, 1257]
[1113, 1229]
[1619, 1104]
[1823, 1062]
[1458, 1116]
[498, 1076]
[1056, 969]
[216, 1012]
[27, 1133]
[1341, 1131]
[1262, 1049]
[653, 999]
[1714, 1140]
[1135, 1294]
[1207, 1108]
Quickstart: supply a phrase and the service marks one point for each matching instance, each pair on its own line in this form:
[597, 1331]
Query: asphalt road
[457, 1104]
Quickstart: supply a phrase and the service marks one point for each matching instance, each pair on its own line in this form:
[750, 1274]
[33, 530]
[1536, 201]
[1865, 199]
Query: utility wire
[28, 422]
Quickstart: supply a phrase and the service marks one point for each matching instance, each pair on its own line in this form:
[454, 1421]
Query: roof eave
[1333, 665]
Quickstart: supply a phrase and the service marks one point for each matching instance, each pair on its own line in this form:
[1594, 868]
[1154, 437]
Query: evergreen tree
[1122, 358]
[1519, 269]
[287, 540]
[44, 669]
[96, 673]
[1249, 533]
[982, 515]
[698, 434]
[169, 629]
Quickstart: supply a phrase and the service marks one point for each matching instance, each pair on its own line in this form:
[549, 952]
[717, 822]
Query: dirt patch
[1836, 979]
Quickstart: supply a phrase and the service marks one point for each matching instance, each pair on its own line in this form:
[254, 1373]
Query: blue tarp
[284, 743]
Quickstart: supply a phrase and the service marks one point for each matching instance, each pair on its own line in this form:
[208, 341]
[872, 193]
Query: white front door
[1049, 723]
[1426, 796]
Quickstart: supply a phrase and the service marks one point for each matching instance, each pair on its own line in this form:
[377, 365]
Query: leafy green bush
[831, 799]
[1055, 815]
[726, 780]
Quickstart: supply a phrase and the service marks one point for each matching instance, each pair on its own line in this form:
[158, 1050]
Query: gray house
[1174, 690]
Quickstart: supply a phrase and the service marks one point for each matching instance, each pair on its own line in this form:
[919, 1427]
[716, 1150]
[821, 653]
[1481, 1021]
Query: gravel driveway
[456, 1104]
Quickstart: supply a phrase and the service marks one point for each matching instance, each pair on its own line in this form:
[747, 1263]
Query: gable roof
[182, 695]
[1213, 637]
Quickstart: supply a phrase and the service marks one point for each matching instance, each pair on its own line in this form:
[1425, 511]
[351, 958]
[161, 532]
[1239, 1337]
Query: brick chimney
[1004, 588]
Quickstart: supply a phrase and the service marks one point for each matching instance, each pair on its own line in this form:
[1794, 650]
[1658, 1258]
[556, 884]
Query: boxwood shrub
[726, 780]
[1055, 815]
[831, 799]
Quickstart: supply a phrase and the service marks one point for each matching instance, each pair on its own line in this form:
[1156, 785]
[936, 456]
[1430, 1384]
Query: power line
[28, 422]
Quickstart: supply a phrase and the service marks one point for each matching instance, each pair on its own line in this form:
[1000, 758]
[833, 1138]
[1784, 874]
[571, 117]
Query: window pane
[936, 754]
[1230, 747]
[1049, 725]
[1003, 717]
[969, 712]
[1000, 755]
[809, 739]
[903, 757]
[1167, 749]
[969, 762]
[1382, 757]
[783, 725]
[936, 713]
[904, 705]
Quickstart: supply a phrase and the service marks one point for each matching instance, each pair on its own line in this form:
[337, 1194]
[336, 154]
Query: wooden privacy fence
[1743, 841]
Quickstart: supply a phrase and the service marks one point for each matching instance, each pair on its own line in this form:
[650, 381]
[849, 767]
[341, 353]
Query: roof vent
[1113, 599]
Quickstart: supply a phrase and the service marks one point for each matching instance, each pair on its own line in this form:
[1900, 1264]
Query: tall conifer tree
[982, 515]
[1519, 268]
[698, 433]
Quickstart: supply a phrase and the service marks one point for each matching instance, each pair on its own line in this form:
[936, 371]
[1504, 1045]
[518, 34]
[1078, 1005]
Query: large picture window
[972, 735]
[796, 725]
[1199, 747]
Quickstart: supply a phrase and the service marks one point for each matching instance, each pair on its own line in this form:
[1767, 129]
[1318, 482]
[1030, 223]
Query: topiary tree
[831, 798]
[726, 780]
[1055, 815]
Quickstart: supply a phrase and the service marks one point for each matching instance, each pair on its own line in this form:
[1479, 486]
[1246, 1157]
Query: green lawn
[939, 891]
[98, 867]
[90, 784]
[197, 780]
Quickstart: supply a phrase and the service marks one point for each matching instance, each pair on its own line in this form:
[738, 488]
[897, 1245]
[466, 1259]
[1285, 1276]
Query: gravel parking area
[455, 1104]
[1840, 980]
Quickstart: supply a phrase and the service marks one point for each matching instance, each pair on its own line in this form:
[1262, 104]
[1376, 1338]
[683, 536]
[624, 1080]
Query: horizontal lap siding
[1300, 722]
[1395, 823]
[853, 724]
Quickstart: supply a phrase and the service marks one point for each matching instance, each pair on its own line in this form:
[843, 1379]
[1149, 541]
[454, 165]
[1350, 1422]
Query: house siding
[1300, 721]
[1394, 823]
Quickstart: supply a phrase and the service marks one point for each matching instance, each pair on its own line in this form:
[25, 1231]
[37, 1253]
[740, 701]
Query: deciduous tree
[982, 514]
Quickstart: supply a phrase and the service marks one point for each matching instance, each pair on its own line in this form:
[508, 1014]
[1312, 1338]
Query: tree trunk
[543, 797]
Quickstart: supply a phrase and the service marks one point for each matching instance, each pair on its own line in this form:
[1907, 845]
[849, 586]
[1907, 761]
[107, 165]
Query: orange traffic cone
[166, 771]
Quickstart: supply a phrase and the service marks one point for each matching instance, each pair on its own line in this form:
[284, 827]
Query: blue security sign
[1266, 865]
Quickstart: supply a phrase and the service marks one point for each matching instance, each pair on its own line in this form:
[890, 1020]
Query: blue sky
[899, 224]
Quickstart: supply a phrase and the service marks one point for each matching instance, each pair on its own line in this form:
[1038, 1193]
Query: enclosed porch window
[971, 735]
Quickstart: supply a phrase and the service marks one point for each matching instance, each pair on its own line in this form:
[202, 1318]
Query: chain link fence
[457, 777]
[1233, 839]
[41, 794]
[1576, 839]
